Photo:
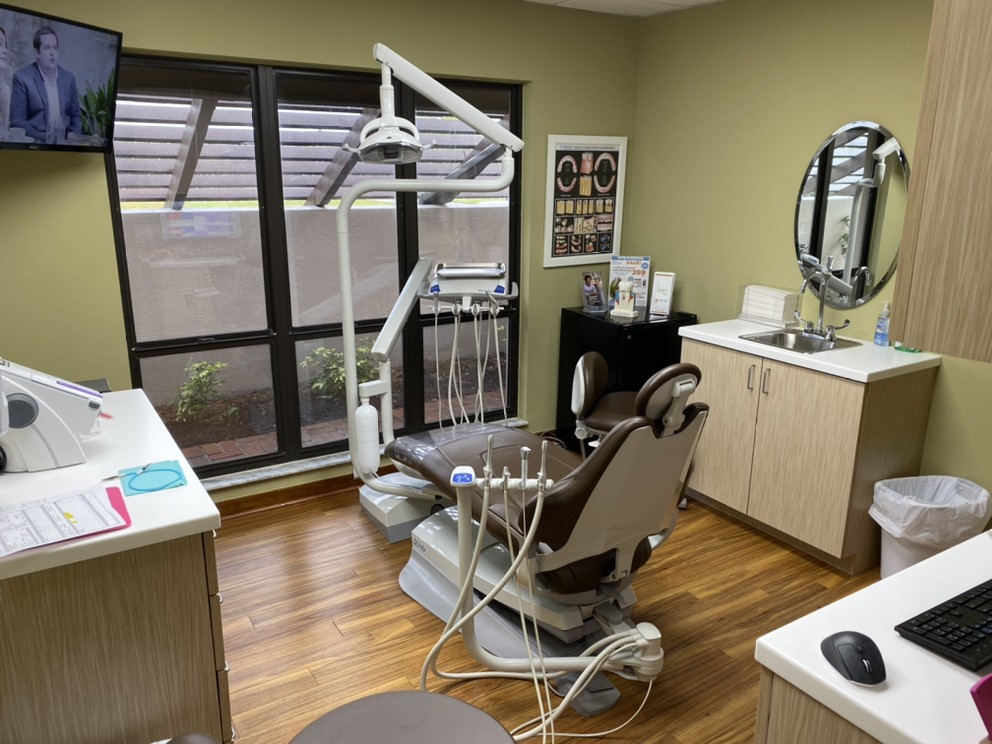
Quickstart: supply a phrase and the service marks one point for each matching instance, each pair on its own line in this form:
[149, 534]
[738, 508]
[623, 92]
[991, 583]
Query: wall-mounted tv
[58, 83]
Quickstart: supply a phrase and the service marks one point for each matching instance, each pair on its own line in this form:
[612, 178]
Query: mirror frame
[871, 279]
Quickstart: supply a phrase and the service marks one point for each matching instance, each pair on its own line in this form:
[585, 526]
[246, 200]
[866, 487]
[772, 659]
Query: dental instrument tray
[478, 281]
[959, 629]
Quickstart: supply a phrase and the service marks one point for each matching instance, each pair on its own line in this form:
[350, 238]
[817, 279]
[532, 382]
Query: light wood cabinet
[115, 638]
[945, 257]
[797, 452]
[118, 649]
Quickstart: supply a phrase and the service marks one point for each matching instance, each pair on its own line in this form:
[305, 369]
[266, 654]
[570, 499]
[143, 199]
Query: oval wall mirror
[850, 212]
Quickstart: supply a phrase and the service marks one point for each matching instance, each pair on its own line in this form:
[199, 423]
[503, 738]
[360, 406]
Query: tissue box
[768, 305]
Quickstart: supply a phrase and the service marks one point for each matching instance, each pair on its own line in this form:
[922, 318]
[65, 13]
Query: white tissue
[768, 304]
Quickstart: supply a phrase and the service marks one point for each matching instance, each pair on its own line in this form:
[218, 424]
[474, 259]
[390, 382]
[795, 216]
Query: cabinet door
[116, 649]
[721, 467]
[804, 454]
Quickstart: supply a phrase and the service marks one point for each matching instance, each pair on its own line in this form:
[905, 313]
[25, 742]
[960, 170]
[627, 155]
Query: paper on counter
[45, 521]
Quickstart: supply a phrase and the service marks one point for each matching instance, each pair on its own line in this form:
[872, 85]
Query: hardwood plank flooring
[314, 617]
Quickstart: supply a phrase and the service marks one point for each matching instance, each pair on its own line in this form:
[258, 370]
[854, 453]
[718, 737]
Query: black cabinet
[634, 349]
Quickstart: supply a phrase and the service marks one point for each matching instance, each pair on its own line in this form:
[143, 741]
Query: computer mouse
[855, 656]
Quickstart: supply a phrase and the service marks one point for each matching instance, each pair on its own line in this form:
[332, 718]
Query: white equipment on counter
[42, 419]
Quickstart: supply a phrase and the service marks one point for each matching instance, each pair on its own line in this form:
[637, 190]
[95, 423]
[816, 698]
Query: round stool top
[408, 717]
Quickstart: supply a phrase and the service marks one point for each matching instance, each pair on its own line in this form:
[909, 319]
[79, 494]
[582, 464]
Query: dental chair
[601, 519]
[596, 410]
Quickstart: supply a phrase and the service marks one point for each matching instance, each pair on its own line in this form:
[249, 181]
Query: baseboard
[290, 495]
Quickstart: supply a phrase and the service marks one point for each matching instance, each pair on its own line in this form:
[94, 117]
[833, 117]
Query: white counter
[863, 363]
[131, 435]
[925, 698]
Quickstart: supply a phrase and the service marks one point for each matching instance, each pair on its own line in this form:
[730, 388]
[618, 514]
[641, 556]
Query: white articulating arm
[446, 99]
[470, 115]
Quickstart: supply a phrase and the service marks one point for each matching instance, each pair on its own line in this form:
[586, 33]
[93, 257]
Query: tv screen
[58, 83]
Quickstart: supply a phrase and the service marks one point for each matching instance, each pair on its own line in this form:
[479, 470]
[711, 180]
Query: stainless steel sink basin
[795, 340]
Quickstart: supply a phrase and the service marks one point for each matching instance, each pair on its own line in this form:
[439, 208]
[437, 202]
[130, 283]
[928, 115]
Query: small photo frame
[584, 199]
[662, 289]
[594, 300]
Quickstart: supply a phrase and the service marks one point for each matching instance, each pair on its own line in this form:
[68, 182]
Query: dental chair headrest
[664, 395]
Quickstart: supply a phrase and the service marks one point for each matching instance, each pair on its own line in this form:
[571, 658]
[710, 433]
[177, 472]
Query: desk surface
[925, 698]
[133, 436]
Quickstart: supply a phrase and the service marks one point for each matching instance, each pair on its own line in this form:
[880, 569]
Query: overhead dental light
[393, 140]
[390, 139]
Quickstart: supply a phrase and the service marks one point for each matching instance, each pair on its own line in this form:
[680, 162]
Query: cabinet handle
[750, 377]
[764, 381]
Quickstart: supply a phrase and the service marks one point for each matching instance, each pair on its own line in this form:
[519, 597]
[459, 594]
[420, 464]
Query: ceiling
[632, 8]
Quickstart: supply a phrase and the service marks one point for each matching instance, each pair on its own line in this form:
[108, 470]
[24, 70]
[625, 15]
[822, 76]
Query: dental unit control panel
[43, 419]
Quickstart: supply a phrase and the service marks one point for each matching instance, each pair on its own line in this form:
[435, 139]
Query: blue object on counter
[882, 326]
[155, 476]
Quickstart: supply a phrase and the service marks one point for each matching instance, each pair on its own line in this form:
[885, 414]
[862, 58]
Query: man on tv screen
[44, 101]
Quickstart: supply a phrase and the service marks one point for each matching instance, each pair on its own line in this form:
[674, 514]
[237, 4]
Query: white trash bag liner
[933, 510]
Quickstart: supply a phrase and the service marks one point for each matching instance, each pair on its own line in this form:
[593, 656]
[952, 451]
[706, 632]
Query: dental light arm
[404, 305]
[470, 115]
[445, 98]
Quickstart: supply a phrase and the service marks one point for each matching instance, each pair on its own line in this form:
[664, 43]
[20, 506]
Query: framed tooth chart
[584, 199]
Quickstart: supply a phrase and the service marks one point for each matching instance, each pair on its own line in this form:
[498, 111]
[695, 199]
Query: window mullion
[275, 252]
[409, 252]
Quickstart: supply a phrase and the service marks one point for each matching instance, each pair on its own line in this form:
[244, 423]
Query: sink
[795, 340]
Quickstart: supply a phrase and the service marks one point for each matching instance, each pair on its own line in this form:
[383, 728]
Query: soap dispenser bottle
[882, 326]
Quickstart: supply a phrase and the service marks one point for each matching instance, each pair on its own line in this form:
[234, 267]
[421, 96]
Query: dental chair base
[432, 572]
[430, 578]
[396, 516]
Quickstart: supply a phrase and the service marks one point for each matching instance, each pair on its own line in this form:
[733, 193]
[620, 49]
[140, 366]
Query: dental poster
[585, 196]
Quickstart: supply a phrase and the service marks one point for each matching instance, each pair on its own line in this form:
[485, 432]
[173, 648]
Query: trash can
[923, 515]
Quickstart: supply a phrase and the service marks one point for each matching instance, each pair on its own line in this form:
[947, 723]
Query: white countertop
[925, 699]
[863, 363]
[132, 436]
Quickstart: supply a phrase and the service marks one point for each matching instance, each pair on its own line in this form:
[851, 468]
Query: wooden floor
[314, 617]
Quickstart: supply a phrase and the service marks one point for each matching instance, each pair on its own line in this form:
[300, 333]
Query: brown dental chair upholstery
[604, 514]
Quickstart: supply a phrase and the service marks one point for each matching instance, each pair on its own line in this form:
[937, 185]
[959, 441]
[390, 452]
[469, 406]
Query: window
[227, 180]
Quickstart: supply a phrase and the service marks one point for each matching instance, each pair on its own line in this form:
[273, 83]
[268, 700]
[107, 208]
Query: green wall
[723, 104]
[733, 99]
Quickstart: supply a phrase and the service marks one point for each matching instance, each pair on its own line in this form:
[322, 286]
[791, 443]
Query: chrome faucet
[823, 277]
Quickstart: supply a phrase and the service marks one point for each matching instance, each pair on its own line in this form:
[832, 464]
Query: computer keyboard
[959, 629]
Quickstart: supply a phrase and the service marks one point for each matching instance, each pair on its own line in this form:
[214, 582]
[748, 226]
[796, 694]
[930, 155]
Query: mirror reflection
[849, 216]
